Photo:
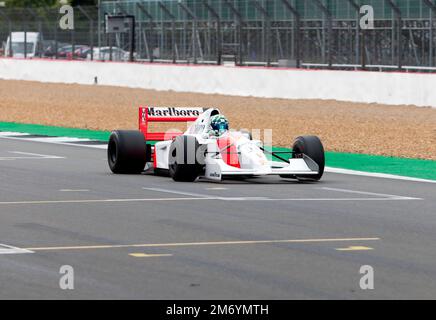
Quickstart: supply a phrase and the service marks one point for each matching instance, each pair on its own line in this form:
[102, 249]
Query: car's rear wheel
[183, 163]
[126, 152]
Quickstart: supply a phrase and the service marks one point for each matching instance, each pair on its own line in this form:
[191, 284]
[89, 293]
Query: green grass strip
[416, 168]
[55, 131]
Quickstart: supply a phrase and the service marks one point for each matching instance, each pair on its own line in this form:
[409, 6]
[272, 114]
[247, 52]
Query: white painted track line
[370, 193]
[192, 194]
[91, 201]
[208, 243]
[9, 133]
[62, 141]
[56, 139]
[375, 175]
[37, 154]
[7, 249]
[206, 196]
[28, 155]
[343, 199]
[96, 201]
[22, 136]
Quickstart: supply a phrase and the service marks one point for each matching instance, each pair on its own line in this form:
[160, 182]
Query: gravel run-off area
[405, 131]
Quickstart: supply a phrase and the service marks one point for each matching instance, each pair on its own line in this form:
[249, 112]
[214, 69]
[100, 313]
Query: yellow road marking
[186, 244]
[354, 248]
[145, 255]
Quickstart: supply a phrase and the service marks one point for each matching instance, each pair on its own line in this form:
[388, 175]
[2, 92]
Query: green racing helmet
[219, 124]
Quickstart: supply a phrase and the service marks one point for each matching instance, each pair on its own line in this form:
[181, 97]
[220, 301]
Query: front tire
[183, 164]
[312, 147]
[126, 152]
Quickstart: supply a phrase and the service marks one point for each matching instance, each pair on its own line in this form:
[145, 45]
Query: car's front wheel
[183, 164]
[312, 147]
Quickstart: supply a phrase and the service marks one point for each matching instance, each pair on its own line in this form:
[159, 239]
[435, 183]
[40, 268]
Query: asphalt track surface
[147, 237]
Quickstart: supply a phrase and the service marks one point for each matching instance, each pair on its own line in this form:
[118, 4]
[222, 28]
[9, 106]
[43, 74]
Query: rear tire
[312, 147]
[182, 152]
[126, 152]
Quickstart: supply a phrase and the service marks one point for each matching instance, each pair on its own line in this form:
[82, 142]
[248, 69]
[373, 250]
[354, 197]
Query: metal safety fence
[35, 32]
[291, 33]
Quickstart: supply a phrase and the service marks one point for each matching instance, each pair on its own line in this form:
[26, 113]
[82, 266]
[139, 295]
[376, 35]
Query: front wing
[217, 168]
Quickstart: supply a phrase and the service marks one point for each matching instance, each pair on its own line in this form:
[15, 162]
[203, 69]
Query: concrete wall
[378, 87]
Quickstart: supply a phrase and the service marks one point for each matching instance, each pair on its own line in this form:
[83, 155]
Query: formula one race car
[208, 149]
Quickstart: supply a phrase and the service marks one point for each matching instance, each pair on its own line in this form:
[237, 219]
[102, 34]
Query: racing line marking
[197, 244]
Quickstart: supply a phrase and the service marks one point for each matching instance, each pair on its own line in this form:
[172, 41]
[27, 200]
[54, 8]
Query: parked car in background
[63, 51]
[49, 47]
[80, 52]
[67, 51]
[104, 53]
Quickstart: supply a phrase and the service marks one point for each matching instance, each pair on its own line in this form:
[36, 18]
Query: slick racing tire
[126, 152]
[183, 164]
[312, 147]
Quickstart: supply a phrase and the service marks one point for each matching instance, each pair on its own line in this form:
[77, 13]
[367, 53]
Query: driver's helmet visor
[223, 127]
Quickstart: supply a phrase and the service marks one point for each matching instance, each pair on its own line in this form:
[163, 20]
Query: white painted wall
[378, 87]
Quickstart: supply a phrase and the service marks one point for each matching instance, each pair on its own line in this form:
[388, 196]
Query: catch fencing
[289, 33]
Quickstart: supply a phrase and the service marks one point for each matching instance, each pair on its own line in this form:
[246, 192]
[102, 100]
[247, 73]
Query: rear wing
[165, 114]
